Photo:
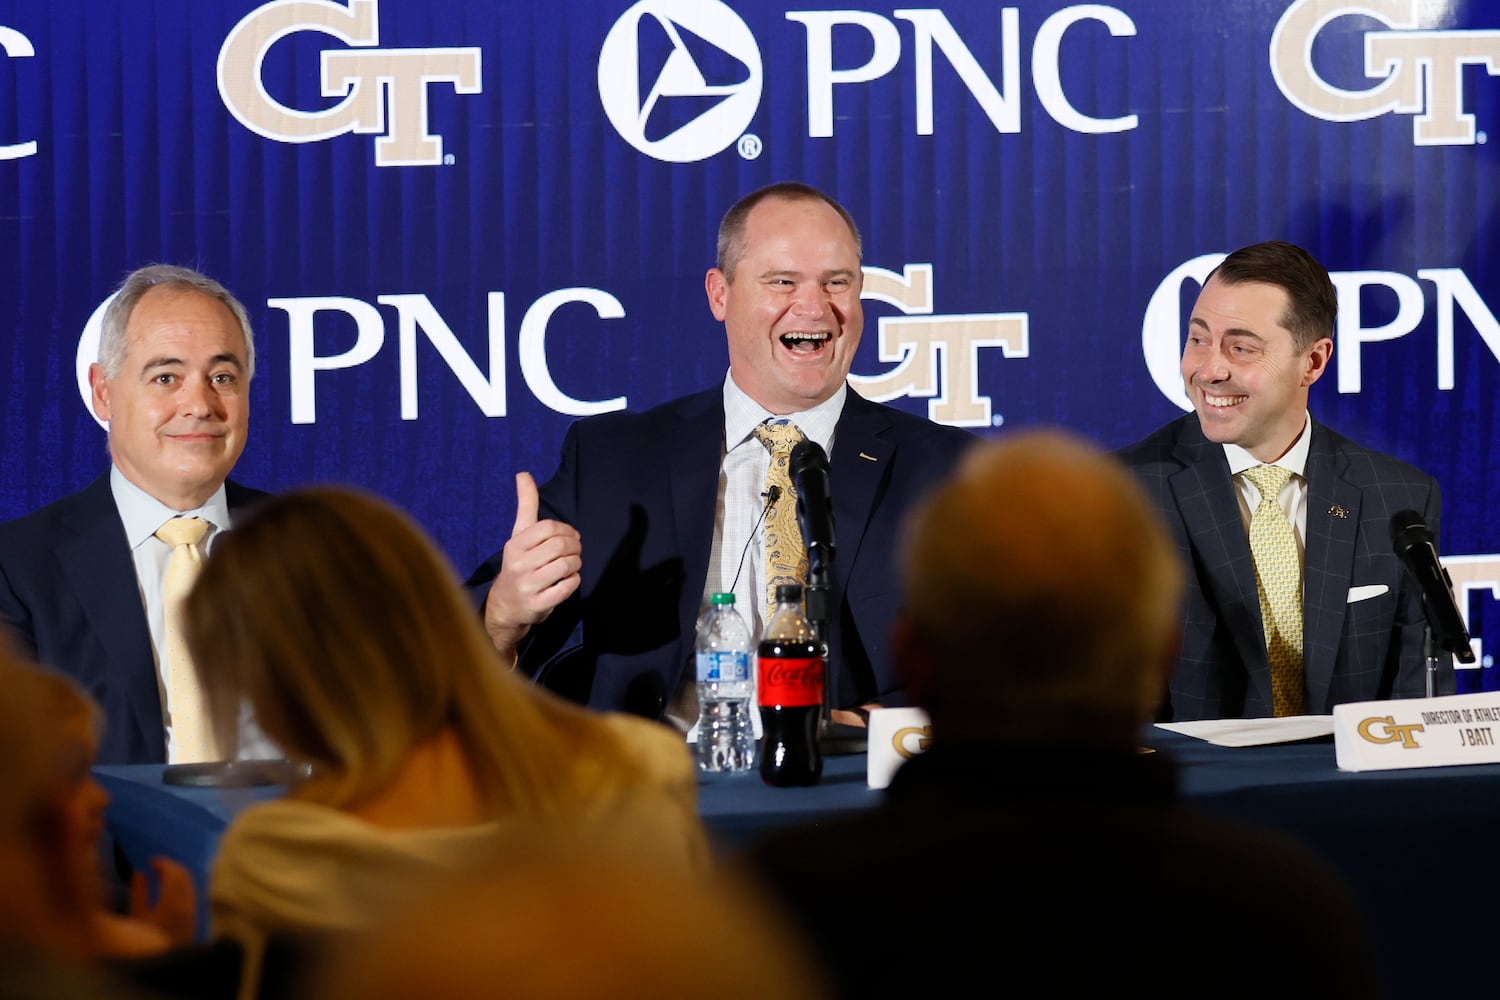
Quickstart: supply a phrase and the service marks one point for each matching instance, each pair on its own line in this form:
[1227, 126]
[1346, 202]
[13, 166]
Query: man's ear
[717, 287]
[99, 389]
[1317, 360]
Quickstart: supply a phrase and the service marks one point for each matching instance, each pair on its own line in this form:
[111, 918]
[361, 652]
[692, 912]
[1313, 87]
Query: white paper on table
[1254, 732]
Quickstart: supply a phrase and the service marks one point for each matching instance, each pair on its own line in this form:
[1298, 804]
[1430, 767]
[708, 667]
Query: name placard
[1418, 732]
[895, 735]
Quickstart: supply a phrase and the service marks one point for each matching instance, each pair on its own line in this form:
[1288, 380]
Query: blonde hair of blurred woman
[334, 616]
[332, 612]
[1039, 586]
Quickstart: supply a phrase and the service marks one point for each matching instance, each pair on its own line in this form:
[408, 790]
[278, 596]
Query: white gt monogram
[384, 90]
[1422, 70]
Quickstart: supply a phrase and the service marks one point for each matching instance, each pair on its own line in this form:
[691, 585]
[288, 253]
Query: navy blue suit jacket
[641, 488]
[1368, 648]
[68, 590]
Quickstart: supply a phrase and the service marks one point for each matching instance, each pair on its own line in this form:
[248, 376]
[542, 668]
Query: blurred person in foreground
[572, 919]
[336, 617]
[649, 513]
[81, 578]
[53, 936]
[1039, 624]
[162, 911]
[1259, 335]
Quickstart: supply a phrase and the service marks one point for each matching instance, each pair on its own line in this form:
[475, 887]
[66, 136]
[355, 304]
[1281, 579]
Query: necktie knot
[1269, 480]
[779, 436]
[183, 531]
[786, 554]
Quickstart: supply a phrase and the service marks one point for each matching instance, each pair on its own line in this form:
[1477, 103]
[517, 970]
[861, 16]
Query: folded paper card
[1418, 732]
[896, 734]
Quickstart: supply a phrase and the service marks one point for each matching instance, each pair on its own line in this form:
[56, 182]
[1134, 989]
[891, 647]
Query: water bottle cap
[788, 592]
[721, 598]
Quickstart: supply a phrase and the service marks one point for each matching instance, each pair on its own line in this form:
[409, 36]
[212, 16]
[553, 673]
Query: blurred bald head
[1041, 595]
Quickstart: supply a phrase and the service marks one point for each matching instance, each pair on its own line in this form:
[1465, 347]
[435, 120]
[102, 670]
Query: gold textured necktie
[786, 556]
[1278, 578]
[187, 715]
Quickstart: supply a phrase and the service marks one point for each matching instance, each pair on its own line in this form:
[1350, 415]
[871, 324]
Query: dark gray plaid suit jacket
[1360, 642]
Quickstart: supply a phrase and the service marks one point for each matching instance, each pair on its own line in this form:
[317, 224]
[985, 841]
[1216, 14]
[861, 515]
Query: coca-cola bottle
[789, 691]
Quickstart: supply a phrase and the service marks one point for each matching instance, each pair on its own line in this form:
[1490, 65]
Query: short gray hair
[142, 280]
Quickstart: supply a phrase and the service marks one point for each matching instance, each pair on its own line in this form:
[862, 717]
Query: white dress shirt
[736, 562]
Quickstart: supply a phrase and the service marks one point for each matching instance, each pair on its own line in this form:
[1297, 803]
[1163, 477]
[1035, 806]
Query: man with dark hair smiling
[1338, 619]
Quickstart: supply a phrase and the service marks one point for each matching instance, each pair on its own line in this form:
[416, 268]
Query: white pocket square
[1366, 592]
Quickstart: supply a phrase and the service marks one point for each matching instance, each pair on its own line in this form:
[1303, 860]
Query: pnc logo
[16, 46]
[384, 91]
[679, 79]
[1421, 72]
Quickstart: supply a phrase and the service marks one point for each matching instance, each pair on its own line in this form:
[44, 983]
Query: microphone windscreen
[1408, 529]
[807, 455]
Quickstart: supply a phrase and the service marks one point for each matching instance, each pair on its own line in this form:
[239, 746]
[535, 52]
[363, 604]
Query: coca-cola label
[790, 681]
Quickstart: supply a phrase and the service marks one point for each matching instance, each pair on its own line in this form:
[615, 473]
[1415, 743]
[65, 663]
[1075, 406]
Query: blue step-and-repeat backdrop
[460, 224]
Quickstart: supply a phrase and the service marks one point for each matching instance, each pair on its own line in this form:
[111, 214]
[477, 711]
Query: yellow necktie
[786, 556]
[1278, 578]
[186, 713]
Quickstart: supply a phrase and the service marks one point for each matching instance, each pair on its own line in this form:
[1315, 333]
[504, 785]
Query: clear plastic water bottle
[726, 689]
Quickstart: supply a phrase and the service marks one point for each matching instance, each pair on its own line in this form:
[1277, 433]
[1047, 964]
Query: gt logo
[921, 341]
[16, 46]
[908, 741]
[1423, 70]
[1390, 732]
[384, 90]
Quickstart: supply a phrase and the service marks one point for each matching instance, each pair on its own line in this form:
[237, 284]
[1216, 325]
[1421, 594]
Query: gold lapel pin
[1338, 511]
[868, 458]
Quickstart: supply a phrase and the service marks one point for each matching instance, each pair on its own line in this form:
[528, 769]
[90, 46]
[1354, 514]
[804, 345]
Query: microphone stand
[833, 737]
[1435, 654]
[1443, 640]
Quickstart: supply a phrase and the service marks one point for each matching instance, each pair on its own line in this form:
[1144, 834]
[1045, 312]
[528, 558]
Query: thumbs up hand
[539, 570]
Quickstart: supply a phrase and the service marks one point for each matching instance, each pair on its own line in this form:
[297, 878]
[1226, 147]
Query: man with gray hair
[81, 579]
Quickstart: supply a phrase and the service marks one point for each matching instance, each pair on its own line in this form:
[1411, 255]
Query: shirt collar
[741, 414]
[1294, 460]
[142, 513]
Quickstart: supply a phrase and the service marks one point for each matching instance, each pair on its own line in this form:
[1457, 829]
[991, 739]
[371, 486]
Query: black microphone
[1416, 547]
[809, 469]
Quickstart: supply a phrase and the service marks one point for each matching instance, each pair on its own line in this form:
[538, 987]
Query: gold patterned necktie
[786, 556]
[1278, 579]
[187, 715]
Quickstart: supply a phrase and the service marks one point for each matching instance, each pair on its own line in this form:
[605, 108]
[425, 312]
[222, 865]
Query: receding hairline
[731, 238]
